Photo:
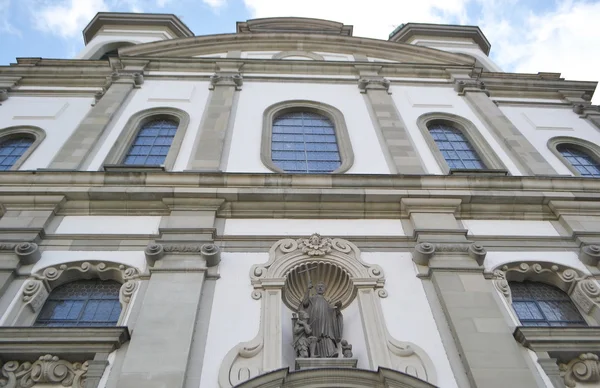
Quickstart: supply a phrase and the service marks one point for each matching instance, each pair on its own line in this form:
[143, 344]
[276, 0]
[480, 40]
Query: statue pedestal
[316, 363]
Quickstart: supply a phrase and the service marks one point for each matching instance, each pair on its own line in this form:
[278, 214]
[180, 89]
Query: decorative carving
[7, 246]
[304, 341]
[35, 294]
[28, 253]
[138, 79]
[211, 253]
[315, 245]
[423, 253]
[180, 248]
[226, 79]
[154, 252]
[590, 254]
[370, 83]
[463, 86]
[346, 349]
[477, 252]
[47, 369]
[583, 369]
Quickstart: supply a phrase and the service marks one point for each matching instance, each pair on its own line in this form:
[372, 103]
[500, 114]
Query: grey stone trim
[135, 123]
[335, 377]
[591, 149]
[300, 53]
[468, 129]
[523, 153]
[406, 32]
[293, 25]
[559, 339]
[215, 127]
[550, 367]
[332, 113]
[37, 133]
[25, 342]
[397, 146]
[79, 145]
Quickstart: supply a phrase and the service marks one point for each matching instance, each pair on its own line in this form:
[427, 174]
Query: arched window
[151, 145]
[12, 148]
[584, 163]
[304, 142]
[82, 303]
[539, 304]
[455, 147]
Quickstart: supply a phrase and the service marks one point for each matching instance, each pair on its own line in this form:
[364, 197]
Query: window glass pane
[456, 149]
[11, 149]
[539, 304]
[304, 142]
[82, 303]
[581, 161]
[152, 143]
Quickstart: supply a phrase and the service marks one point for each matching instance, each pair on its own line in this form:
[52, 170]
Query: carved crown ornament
[583, 369]
[48, 369]
[583, 289]
[38, 287]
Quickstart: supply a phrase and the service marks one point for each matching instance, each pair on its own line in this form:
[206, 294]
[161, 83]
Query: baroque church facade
[293, 206]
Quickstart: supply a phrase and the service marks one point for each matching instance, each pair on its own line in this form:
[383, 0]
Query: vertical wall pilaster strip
[80, 143]
[208, 150]
[524, 154]
[400, 153]
[491, 356]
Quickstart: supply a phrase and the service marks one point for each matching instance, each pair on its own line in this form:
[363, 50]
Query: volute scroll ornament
[590, 255]
[583, 369]
[48, 369]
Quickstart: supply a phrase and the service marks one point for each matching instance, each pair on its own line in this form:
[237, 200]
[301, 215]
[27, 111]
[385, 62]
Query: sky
[527, 36]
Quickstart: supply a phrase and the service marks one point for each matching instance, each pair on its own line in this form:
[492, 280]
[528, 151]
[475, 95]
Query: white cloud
[66, 18]
[5, 25]
[215, 4]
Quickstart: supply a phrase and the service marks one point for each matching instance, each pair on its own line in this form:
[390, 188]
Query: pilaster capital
[373, 83]
[590, 254]
[464, 86]
[425, 251]
[586, 110]
[226, 79]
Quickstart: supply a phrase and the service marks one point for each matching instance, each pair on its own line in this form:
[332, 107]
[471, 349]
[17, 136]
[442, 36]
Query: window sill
[559, 339]
[66, 342]
[132, 168]
[486, 172]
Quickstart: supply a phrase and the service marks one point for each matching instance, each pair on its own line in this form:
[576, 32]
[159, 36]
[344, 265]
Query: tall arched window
[583, 162]
[151, 145]
[82, 303]
[539, 304]
[12, 149]
[304, 142]
[455, 147]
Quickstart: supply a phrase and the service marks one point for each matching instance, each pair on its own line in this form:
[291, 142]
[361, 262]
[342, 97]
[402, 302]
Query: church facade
[293, 206]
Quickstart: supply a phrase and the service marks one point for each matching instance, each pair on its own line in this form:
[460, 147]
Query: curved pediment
[207, 45]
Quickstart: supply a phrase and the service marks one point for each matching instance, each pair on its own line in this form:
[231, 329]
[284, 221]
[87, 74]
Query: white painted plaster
[244, 155]
[135, 259]
[510, 228]
[494, 260]
[445, 100]
[336, 56]
[107, 36]
[189, 96]
[108, 225]
[373, 59]
[459, 46]
[258, 54]
[407, 313]
[213, 55]
[306, 227]
[57, 116]
[540, 124]
[297, 58]
[235, 316]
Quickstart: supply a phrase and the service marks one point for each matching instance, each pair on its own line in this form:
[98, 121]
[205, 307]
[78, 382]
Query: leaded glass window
[539, 304]
[580, 160]
[11, 149]
[152, 143]
[304, 142]
[454, 146]
[82, 303]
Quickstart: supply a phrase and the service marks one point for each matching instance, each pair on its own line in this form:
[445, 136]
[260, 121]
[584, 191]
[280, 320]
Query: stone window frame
[118, 152]
[591, 149]
[40, 284]
[37, 133]
[583, 289]
[335, 115]
[492, 161]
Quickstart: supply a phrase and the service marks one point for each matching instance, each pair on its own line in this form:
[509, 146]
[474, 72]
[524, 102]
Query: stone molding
[589, 148]
[559, 339]
[301, 53]
[293, 25]
[425, 251]
[464, 86]
[590, 255]
[225, 79]
[37, 133]
[583, 369]
[377, 83]
[583, 290]
[209, 252]
[273, 284]
[28, 253]
[48, 369]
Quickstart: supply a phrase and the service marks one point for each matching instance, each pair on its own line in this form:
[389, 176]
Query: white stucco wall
[112, 34]
[540, 124]
[255, 97]
[301, 227]
[189, 96]
[108, 225]
[412, 102]
[510, 228]
[57, 116]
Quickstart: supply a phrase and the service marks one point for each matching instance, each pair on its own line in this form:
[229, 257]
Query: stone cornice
[559, 339]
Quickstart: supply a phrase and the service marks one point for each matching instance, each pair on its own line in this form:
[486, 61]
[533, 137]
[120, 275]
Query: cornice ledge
[559, 339]
[430, 205]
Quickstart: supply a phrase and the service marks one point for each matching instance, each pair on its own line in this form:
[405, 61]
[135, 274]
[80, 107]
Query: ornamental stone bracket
[6, 83]
[210, 252]
[424, 252]
[27, 252]
[464, 86]
[48, 369]
[374, 83]
[226, 79]
[583, 369]
[283, 279]
[590, 255]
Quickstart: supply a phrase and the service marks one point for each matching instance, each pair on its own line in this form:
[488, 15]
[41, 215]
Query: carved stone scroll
[47, 369]
[153, 252]
[583, 369]
[590, 254]
[28, 253]
[425, 251]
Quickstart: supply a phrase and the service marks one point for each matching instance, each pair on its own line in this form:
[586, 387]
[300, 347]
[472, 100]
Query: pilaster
[395, 141]
[210, 146]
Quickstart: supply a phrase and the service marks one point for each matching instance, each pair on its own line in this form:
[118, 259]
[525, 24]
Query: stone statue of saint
[303, 340]
[326, 322]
